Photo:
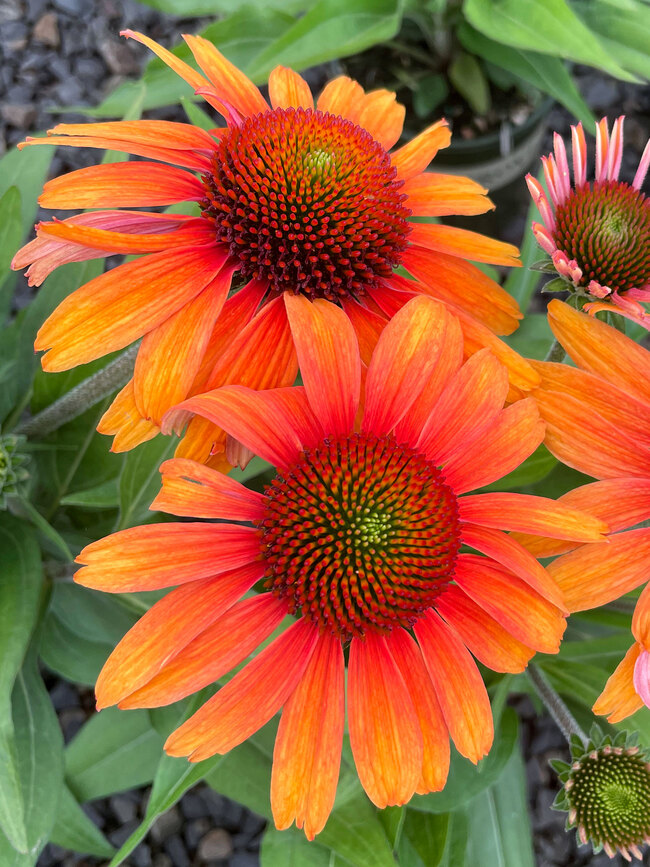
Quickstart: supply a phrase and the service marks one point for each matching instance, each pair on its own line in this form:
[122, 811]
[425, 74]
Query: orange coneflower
[357, 538]
[295, 197]
[598, 421]
[597, 234]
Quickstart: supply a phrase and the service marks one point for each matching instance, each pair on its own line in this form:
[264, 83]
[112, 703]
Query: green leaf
[74, 830]
[115, 750]
[24, 509]
[140, 479]
[456, 843]
[427, 834]
[26, 170]
[196, 8]
[20, 584]
[196, 115]
[624, 30]
[534, 469]
[104, 496]
[466, 75]
[11, 234]
[559, 284]
[291, 849]
[533, 337]
[546, 26]
[431, 91]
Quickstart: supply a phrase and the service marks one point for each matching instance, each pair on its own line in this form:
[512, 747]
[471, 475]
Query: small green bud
[12, 466]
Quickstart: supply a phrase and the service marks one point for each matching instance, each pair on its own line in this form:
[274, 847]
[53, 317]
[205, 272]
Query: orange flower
[295, 197]
[598, 421]
[357, 538]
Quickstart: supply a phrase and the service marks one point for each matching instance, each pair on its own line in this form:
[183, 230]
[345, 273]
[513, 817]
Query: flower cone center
[308, 201]
[360, 534]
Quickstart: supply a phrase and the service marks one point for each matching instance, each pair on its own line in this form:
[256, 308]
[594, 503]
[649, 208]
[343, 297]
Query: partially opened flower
[295, 197]
[357, 539]
[598, 421]
[597, 233]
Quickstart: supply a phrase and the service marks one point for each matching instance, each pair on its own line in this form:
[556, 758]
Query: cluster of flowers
[310, 254]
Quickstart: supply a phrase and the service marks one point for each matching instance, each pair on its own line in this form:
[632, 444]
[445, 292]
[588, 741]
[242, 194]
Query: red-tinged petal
[250, 699]
[619, 699]
[307, 751]
[171, 354]
[487, 639]
[121, 185]
[402, 363]
[165, 555]
[123, 421]
[186, 72]
[101, 316]
[461, 242]
[213, 652]
[469, 403]
[593, 575]
[328, 354]
[641, 618]
[287, 89]
[526, 513]
[455, 281]
[414, 157]
[641, 679]
[265, 422]
[165, 629]
[180, 136]
[521, 611]
[367, 326]
[601, 349]
[382, 117]
[434, 195]
[458, 685]
[191, 489]
[515, 435]
[385, 731]
[342, 96]
[228, 83]
[191, 233]
[505, 549]
[435, 737]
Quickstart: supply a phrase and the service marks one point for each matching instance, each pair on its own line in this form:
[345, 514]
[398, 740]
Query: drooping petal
[328, 354]
[123, 421]
[434, 195]
[250, 699]
[165, 555]
[186, 72]
[458, 685]
[192, 233]
[435, 737]
[464, 243]
[619, 699]
[413, 157]
[307, 751]
[287, 89]
[385, 731]
[382, 117]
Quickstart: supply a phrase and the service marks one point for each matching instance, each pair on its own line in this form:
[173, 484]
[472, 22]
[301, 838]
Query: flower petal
[641, 678]
[619, 699]
[382, 117]
[123, 421]
[461, 242]
[385, 731]
[413, 157]
[367, 326]
[641, 618]
[307, 752]
[186, 72]
[189, 234]
[287, 89]
[435, 195]
[250, 699]
[342, 96]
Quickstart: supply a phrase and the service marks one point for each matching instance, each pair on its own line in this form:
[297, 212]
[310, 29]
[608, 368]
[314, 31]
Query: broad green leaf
[104, 496]
[547, 26]
[26, 170]
[534, 469]
[244, 775]
[140, 479]
[196, 115]
[624, 30]
[426, 833]
[456, 843]
[291, 849]
[468, 78]
[522, 282]
[196, 8]
[20, 584]
[74, 830]
[11, 234]
[116, 750]
[23, 508]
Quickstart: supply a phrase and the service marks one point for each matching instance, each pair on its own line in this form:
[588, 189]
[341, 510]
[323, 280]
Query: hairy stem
[565, 720]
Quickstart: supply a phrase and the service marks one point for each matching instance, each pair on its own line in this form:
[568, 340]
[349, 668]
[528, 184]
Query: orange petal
[435, 737]
[641, 618]
[191, 233]
[216, 650]
[385, 731]
[178, 136]
[121, 185]
[328, 354]
[342, 96]
[228, 83]
[487, 639]
[402, 363]
[414, 157]
[530, 514]
[593, 575]
[461, 242]
[307, 752]
[619, 699]
[123, 421]
[382, 117]
[171, 354]
[186, 72]
[458, 685]
[193, 490]
[165, 629]
[250, 699]
[433, 195]
[101, 317]
[521, 611]
[164, 555]
[601, 349]
[515, 435]
[367, 326]
[470, 402]
[287, 89]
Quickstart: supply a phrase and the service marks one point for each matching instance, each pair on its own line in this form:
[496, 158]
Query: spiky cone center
[605, 227]
[608, 793]
[360, 534]
[308, 201]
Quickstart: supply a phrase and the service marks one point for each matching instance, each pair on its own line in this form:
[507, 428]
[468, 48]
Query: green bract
[12, 466]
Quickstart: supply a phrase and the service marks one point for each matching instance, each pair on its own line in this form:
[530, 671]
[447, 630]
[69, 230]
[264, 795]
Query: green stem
[82, 397]
[565, 720]
[556, 352]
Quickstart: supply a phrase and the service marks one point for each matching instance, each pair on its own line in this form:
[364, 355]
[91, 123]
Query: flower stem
[82, 397]
[565, 720]
[556, 352]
